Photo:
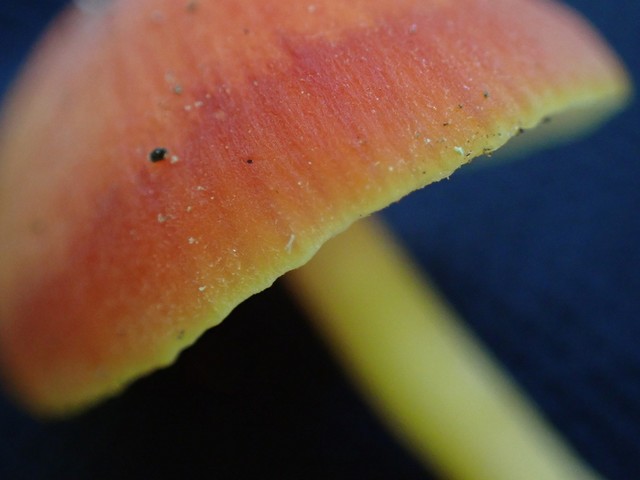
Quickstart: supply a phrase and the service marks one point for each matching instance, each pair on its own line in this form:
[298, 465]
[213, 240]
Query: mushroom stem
[437, 388]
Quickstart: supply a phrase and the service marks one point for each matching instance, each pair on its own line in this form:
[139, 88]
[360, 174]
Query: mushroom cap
[161, 161]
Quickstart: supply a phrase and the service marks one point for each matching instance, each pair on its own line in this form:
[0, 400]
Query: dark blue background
[541, 256]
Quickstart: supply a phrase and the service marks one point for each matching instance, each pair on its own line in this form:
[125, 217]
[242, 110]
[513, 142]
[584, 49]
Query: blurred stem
[426, 375]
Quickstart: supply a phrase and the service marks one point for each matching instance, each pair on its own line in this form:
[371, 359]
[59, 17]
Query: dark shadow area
[257, 397]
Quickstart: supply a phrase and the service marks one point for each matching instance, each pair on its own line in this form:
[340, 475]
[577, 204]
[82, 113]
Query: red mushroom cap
[161, 161]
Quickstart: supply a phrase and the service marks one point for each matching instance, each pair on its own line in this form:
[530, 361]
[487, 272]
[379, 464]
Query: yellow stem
[425, 374]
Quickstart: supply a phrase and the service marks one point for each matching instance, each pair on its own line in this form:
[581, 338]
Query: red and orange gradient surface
[283, 121]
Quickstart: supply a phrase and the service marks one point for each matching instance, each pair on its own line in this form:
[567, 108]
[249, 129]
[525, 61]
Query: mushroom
[162, 161]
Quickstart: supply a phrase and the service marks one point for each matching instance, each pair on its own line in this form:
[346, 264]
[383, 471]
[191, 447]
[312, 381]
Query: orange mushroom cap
[161, 161]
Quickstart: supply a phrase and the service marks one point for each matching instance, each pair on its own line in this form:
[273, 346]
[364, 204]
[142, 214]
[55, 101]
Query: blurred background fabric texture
[541, 257]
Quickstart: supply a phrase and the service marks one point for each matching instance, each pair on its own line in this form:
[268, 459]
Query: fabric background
[541, 257]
